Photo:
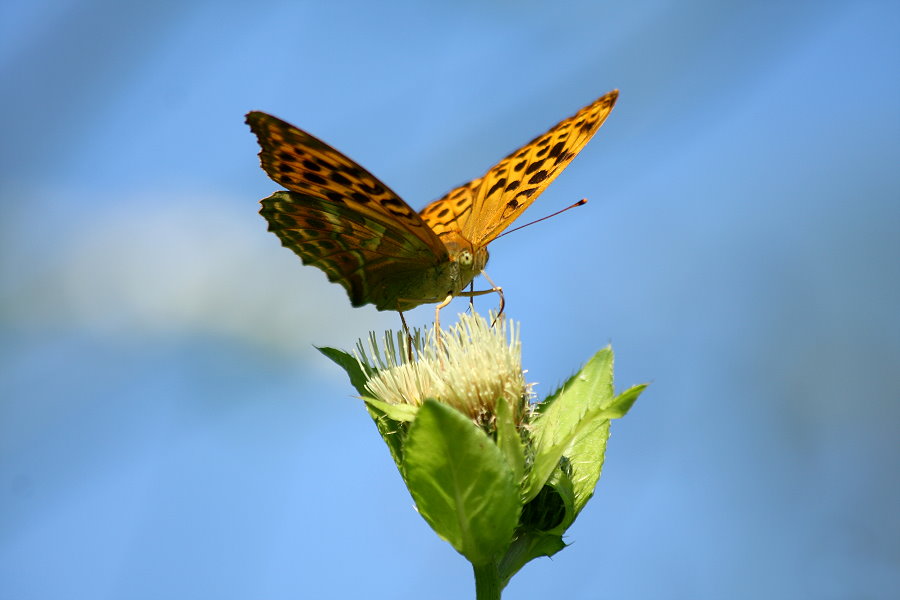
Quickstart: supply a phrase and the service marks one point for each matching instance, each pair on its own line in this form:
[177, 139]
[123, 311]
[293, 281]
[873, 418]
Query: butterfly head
[469, 260]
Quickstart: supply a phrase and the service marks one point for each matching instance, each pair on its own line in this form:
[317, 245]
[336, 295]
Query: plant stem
[487, 582]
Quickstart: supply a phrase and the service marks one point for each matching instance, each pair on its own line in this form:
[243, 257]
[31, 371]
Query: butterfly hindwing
[359, 253]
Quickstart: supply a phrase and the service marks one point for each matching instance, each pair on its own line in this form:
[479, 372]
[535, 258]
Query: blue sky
[167, 429]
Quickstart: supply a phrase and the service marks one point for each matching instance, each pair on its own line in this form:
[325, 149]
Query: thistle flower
[472, 367]
[498, 477]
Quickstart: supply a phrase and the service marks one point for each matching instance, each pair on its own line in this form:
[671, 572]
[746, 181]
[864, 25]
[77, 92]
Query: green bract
[499, 477]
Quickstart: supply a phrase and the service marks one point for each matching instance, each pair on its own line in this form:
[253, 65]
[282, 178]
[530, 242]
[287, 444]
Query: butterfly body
[340, 218]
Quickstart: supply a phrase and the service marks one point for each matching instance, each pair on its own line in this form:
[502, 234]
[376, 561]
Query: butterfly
[337, 216]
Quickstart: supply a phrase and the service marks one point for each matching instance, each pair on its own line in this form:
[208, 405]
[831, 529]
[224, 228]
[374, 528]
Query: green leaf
[392, 432]
[595, 379]
[563, 417]
[461, 482]
[622, 403]
[509, 441]
[349, 363]
[575, 424]
[587, 451]
[586, 456]
[527, 547]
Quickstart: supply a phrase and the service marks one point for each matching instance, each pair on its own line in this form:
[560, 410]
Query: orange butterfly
[342, 219]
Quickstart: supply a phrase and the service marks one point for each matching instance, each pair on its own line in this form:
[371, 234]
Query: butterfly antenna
[581, 202]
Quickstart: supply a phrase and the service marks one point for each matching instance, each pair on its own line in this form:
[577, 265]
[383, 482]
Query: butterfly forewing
[445, 214]
[516, 181]
[304, 164]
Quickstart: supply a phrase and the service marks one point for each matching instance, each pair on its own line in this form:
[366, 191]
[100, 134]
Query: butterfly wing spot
[324, 164]
[538, 177]
[534, 167]
[564, 157]
[339, 179]
[314, 178]
[555, 151]
[392, 203]
[398, 208]
[314, 224]
[511, 208]
[500, 183]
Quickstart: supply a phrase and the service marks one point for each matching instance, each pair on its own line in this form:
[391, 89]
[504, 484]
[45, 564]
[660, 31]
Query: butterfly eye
[464, 258]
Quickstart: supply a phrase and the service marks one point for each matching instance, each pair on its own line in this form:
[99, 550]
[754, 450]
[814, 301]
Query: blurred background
[167, 429]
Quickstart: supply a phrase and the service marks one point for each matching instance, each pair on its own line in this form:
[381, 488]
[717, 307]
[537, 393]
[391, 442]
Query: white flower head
[472, 367]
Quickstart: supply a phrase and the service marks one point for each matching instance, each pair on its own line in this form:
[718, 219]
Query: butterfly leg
[408, 336]
[437, 311]
[499, 290]
[437, 324]
[495, 289]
